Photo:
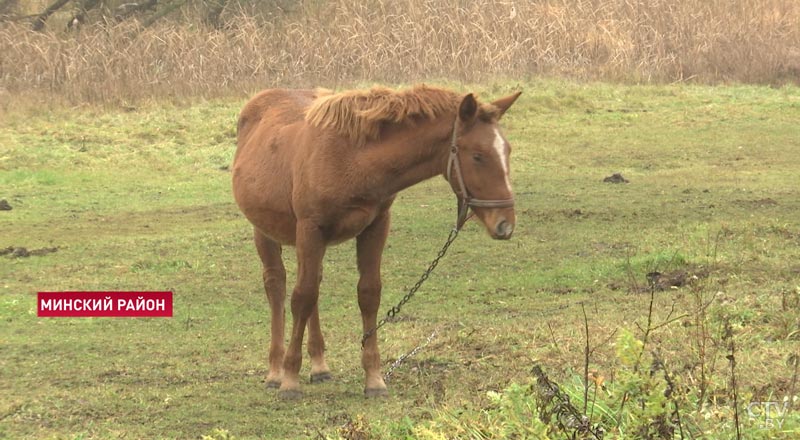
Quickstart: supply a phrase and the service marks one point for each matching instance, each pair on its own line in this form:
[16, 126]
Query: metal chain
[411, 353]
[396, 309]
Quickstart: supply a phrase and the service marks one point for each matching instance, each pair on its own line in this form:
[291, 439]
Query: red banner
[104, 304]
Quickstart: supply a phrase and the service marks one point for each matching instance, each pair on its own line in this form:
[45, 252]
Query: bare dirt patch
[21, 252]
[757, 203]
[668, 280]
[616, 178]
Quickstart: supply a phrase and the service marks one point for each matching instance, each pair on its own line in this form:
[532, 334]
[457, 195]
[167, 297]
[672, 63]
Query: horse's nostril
[504, 229]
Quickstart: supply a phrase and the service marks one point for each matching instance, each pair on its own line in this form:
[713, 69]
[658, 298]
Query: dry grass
[342, 41]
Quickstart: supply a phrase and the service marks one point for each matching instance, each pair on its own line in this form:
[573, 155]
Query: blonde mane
[359, 114]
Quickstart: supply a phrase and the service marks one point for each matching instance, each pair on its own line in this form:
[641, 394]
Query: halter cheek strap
[465, 200]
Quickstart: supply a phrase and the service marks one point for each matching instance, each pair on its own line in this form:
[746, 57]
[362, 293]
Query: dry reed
[342, 42]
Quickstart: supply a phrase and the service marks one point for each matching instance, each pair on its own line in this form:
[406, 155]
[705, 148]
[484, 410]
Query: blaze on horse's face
[484, 160]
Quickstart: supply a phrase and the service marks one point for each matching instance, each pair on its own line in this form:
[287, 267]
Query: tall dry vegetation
[409, 40]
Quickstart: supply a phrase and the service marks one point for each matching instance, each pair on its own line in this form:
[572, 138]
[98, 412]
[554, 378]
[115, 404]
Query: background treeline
[125, 50]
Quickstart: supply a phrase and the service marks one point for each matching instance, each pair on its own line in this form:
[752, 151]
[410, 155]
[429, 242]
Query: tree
[41, 19]
[214, 9]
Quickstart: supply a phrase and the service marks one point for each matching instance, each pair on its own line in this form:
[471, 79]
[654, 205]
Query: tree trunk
[41, 19]
[132, 8]
[80, 17]
[215, 8]
[6, 6]
[163, 12]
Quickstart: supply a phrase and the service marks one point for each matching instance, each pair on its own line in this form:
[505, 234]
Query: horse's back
[271, 109]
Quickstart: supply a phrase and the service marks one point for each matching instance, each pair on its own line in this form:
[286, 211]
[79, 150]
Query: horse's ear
[468, 110]
[504, 103]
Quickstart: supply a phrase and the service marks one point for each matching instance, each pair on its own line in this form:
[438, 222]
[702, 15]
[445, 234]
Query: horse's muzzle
[503, 230]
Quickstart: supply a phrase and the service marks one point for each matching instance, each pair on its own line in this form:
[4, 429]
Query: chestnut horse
[313, 168]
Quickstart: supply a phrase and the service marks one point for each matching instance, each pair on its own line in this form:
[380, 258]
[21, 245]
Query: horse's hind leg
[369, 247]
[275, 285]
[316, 350]
[316, 346]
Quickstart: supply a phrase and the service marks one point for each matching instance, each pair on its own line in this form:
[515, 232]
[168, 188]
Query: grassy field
[140, 199]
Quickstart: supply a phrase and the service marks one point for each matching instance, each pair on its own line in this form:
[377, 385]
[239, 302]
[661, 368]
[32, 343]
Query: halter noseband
[465, 200]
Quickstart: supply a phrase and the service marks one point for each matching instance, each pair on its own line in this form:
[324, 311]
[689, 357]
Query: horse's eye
[477, 157]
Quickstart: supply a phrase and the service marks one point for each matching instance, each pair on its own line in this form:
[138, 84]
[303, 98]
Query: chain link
[396, 309]
[411, 353]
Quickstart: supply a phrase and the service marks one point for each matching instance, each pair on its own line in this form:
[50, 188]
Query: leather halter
[465, 200]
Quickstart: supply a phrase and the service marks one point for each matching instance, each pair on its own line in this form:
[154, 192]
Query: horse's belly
[351, 224]
[278, 227]
[266, 204]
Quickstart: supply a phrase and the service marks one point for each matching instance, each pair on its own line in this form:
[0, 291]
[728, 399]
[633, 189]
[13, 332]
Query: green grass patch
[140, 199]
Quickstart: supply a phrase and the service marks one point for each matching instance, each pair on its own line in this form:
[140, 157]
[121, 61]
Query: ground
[139, 198]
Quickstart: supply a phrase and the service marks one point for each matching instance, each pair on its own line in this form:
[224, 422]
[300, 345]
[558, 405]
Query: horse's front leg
[310, 250]
[369, 249]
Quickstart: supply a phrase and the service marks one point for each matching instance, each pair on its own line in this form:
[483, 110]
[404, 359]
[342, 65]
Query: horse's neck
[409, 155]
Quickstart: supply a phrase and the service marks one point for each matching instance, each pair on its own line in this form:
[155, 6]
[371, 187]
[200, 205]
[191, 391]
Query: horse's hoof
[290, 394]
[321, 377]
[371, 393]
[273, 384]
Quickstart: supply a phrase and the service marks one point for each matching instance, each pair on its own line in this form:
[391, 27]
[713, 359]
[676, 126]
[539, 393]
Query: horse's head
[478, 168]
